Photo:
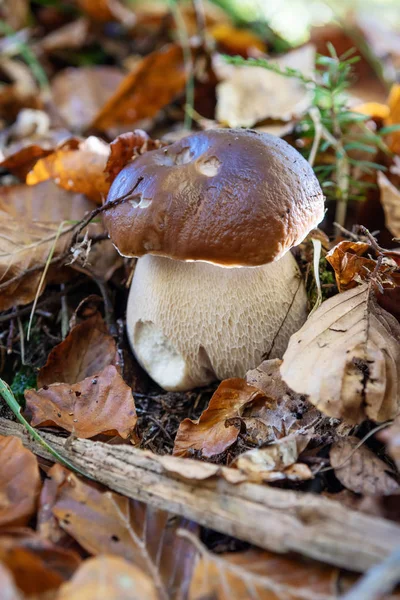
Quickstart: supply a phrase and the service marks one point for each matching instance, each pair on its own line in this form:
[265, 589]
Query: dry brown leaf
[236, 41]
[100, 404]
[79, 93]
[209, 434]
[78, 168]
[360, 470]
[349, 264]
[276, 461]
[87, 349]
[20, 155]
[107, 10]
[21, 93]
[346, 358]
[153, 84]
[19, 482]
[286, 411]
[391, 437]
[390, 200]
[272, 96]
[125, 147]
[71, 35]
[15, 14]
[47, 525]
[26, 245]
[37, 565]
[107, 523]
[8, 588]
[263, 575]
[108, 577]
[43, 202]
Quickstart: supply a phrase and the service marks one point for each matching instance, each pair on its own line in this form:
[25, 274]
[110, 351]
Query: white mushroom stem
[190, 323]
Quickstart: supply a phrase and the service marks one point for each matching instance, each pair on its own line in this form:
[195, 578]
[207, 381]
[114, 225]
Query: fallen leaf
[100, 404]
[107, 523]
[37, 565]
[79, 93]
[286, 411]
[108, 577]
[236, 41]
[272, 96]
[43, 202]
[71, 35]
[20, 156]
[47, 525]
[263, 575]
[390, 200]
[21, 93]
[19, 482]
[87, 349]
[360, 470]
[77, 166]
[346, 358]
[391, 437]
[25, 247]
[125, 147]
[394, 117]
[153, 84]
[276, 461]
[107, 10]
[15, 14]
[349, 264]
[7, 585]
[209, 434]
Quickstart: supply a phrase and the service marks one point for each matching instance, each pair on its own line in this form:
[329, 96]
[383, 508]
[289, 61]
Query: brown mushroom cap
[227, 196]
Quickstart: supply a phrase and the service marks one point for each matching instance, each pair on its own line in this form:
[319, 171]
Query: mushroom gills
[190, 323]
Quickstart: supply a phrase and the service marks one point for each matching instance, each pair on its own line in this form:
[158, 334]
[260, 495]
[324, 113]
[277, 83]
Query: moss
[23, 380]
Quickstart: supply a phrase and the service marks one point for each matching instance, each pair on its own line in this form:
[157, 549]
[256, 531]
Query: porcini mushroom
[212, 219]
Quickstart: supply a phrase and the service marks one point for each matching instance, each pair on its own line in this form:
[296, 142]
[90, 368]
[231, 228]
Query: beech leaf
[346, 358]
[19, 482]
[360, 470]
[154, 83]
[102, 403]
[87, 349]
[107, 523]
[263, 575]
[391, 437]
[209, 434]
[108, 577]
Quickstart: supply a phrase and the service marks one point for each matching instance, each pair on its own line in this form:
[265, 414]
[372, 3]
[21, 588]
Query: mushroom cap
[232, 197]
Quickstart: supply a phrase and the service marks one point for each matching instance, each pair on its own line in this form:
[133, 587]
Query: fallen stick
[274, 519]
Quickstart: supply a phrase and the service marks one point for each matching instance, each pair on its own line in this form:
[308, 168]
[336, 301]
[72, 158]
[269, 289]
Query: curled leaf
[209, 434]
[346, 358]
[360, 470]
[19, 482]
[87, 349]
[349, 264]
[101, 403]
[125, 147]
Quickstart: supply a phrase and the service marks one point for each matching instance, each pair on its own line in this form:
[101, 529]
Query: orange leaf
[348, 263]
[37, 565]
[107, 523]
[236, 41]
[87, 349]
[209, 433]
[394, 117]
[78, 169]
[19, 482]
[153, 84]
[99, 404]
[108, 577]
[107, 10]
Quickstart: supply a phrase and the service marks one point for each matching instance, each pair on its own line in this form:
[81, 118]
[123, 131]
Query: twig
[276, 519]
[379, 581]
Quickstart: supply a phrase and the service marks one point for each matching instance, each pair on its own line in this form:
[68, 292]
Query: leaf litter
[323, 420]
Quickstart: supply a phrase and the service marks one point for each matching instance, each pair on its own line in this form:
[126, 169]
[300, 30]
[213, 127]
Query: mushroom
[212, 219]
